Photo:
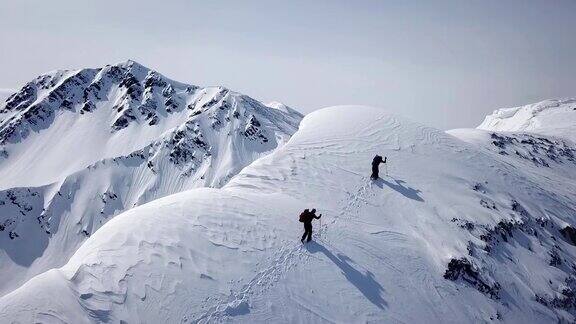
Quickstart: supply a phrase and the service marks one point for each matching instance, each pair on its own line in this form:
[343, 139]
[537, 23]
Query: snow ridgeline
[70, 163]
[456, 232]
[549, 117]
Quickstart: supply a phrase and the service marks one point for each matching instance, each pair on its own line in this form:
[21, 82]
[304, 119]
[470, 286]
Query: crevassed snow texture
[453, 232]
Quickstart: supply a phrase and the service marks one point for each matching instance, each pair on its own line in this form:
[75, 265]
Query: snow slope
[549, 117]
[69, 165]
[455, 233]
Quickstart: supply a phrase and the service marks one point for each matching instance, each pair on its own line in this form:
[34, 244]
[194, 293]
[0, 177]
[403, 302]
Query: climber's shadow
[364, 282]
[400, 186]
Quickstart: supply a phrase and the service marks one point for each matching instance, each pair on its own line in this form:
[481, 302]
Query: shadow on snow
[364, 282]
[399, 186]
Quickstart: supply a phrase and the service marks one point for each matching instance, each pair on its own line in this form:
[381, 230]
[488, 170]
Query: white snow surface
[232, 254]
[556, 117]
[66, 170]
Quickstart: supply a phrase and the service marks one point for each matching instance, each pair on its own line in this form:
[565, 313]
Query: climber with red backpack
[307, 217]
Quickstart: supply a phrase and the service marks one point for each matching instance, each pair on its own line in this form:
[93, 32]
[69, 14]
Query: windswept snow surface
[549, 117]
[453, 232]
[79, 147]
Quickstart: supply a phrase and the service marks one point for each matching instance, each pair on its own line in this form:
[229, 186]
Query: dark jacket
[377, 160]
[308, 216]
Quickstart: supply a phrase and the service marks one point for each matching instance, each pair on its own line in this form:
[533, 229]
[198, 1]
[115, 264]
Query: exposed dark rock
[171, 104]
[153, 121]
[87, 88]
[555, 259]
[120, 123]
[488, 204]
[153, 79]
[88, 107]
[463, 269]
[569, 234]
[168, 91]
[253, 131]
[464, 224]
[538, 150]
[519, 209]
[479, 187]
[564, 299]
[67, 104]
[503, 230]
[22, 99]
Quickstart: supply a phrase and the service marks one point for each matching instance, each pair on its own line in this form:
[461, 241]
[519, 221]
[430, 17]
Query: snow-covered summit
[282, 107]
[549, 117]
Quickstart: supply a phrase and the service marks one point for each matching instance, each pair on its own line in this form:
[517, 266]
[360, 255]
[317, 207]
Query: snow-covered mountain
[469, 226]
[79, 147]
[549, 117]
[97, 114]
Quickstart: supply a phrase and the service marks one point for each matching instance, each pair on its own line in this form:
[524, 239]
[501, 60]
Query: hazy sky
[443, 63]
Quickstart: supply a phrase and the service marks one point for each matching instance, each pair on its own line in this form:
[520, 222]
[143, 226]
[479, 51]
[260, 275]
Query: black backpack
[303, 215]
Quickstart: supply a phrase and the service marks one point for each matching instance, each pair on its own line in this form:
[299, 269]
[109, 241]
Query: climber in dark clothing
[375, 163]
[307, 217]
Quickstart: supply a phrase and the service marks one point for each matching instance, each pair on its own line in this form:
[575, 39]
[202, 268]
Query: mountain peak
[129, 98]
[130, 63]
[284, 108]
[78, 147]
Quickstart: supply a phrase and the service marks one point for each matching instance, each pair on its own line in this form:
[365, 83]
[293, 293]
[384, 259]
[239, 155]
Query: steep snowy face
[452, 232]
[64, 121]
[79, 147]
[549, 117]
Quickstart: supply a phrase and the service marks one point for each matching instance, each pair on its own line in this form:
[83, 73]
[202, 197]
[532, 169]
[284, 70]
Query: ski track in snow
[237, 302]
[287, 258]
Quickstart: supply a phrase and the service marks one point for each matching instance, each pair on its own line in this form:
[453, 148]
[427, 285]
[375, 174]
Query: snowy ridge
[455, 232]
[67, 170]
[549, 117]
[551, 155]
